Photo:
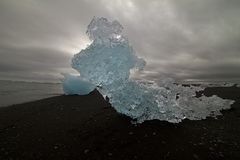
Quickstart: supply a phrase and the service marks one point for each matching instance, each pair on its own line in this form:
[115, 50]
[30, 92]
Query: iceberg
[107, 63]
[76, 85]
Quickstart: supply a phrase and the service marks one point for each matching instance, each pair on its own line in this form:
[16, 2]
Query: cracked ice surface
[107, 62]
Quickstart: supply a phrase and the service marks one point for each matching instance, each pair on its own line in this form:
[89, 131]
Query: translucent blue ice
[76, 85]
[107, 63]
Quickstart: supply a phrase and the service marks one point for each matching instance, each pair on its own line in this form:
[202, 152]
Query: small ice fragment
[75, 85]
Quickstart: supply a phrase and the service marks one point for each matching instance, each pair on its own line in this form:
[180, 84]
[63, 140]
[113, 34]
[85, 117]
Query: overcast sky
[183, 39]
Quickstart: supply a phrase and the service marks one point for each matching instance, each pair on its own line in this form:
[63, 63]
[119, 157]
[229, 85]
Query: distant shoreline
[17, 92]
[28, 81]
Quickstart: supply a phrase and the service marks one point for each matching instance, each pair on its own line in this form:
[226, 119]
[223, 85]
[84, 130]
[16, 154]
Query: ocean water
[16, 92]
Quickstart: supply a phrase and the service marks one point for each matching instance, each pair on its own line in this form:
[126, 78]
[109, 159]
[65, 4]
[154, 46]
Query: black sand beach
[87, 127]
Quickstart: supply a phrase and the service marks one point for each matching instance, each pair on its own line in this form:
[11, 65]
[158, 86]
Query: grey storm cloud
[186, 40]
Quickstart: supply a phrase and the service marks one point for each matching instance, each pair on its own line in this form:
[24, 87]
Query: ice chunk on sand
[107, 63]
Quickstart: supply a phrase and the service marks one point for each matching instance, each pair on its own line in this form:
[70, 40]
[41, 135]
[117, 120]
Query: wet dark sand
[86, 127]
